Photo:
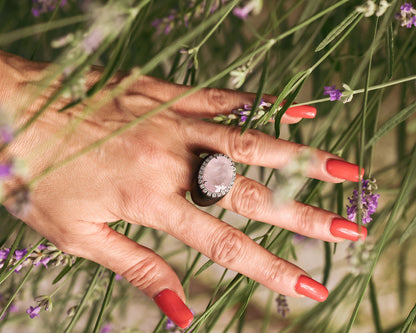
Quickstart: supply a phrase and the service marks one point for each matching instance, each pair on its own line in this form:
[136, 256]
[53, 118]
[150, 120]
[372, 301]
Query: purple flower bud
[43, 6]
[407, 15]
[6, 170]
[334, 94]
[406, 7]
[368, 202]
[33, 311]
[19, 254]
[106, 328]
[4, 253]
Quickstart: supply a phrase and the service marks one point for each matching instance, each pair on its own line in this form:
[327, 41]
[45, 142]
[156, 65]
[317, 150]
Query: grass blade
[407, 325]
[337, 30]
[391, 123]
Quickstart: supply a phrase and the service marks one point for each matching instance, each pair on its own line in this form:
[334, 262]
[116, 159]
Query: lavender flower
[17, 256]
[4, 253]
[368, 202]
[43, 302]
[252, 6]
[370, 8]
[170, 325]
[43, 6]
[33, 311]
[238, 75]
[196, 9]
[360, 255]
[106, 328]
[282, 305]
[6, 170]
[173, 328]
[334, 94]
[43, 255]
[238, 117]
[407, 15]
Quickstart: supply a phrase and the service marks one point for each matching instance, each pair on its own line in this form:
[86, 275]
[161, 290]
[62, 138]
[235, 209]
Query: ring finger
[255, 201]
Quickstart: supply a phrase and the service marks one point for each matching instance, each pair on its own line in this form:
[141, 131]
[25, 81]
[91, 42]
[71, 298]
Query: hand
[142, 175]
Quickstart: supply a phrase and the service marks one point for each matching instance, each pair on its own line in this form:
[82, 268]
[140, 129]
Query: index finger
[209, 102]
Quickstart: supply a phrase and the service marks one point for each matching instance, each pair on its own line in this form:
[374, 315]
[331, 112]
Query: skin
[142, 175]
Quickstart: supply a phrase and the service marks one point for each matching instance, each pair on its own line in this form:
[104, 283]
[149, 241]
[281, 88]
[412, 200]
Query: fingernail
[344, 170]
[302, 111]
[347, 230]
[173, 307]
[311, 288]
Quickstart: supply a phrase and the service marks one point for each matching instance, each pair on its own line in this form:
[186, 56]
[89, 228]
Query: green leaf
[406, 188]
[391, 123]
[291, 98]
[88, 293]
[337, 30]
[390, 50]
[205, 266]
[409, 231]
[296, 81]
[259, 94]
[11, 36]
[407, 325]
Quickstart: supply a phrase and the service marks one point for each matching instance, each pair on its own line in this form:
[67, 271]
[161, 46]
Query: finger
[140, 266]
[209, 102]
[255, 201]
[234, 250]
[257, 148]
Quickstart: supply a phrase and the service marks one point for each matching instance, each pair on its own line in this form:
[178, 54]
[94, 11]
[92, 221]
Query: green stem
[310, 20]
[16, 292]
[84, 299]
[362, 90]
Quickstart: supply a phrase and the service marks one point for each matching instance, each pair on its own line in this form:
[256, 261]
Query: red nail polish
[344, 170]
[302, 111]
[311, 288]
[173, 307]
[347, 230]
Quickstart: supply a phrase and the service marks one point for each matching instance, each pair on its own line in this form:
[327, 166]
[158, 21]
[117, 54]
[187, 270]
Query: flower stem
[362, 90]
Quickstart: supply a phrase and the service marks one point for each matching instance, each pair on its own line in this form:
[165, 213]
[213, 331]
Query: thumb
[142, 267]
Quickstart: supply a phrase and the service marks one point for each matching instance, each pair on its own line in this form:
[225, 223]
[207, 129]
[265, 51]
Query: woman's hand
[142, 175]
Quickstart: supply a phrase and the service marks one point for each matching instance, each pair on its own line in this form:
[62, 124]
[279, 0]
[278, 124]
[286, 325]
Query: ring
[213, 180]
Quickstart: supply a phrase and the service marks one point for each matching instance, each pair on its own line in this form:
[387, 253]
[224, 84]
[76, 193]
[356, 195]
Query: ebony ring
[213, 180]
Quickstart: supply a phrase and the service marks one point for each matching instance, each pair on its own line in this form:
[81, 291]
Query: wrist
[15, 108]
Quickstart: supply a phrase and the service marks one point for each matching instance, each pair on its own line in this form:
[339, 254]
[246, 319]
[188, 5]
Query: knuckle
[216, 99]
[243, 147]
[273, 273]
[248, 198]
[143, 274]
[303, 214]
[228, 246]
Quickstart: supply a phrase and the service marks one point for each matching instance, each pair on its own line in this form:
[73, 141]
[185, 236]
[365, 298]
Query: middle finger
[257, 148]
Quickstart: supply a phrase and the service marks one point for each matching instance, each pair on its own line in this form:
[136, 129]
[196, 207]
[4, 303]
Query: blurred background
[288, 48]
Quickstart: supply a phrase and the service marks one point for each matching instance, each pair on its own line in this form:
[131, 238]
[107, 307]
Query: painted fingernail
[347, 230]
[344, 170]
[173, 307]
[311, 288]
[302, 111]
